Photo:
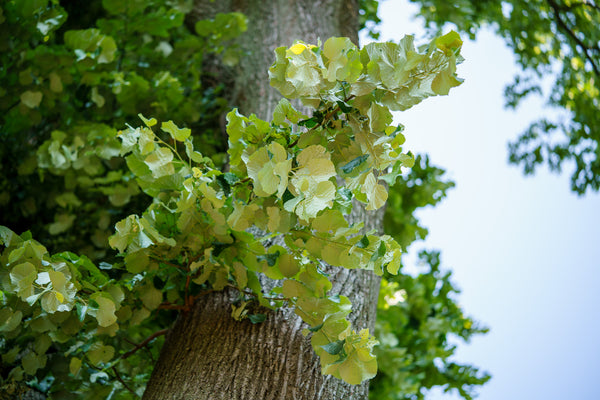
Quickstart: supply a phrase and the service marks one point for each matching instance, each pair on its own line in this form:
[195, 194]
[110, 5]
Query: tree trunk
[207, 354]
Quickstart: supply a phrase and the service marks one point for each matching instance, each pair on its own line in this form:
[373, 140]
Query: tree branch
[562, 24]
[118, 376]
[582, 3]
[145, 342]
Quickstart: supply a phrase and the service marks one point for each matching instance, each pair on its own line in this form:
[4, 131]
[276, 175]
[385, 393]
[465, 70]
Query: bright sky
[524, 250]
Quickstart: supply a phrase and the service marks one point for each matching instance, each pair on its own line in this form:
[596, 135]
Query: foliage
[68, 84]
[422, 186]
[368, 18]
[194, 236]
[416, 317]
[551, 38]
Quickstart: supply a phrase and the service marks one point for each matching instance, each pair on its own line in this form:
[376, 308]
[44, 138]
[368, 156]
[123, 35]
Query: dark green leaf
[316, 327]
[287, 195]
[81, 310]
[348, 168]
[257, 318]
[345, 194]
[270, 258]
[380, 252]
[363, 242]
[334, 347]
[309, 123]
[344, 106]
[226, 180]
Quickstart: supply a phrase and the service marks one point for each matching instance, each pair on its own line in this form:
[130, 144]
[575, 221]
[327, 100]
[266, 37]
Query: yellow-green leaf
[9, 319]
[99, 353]
[31, 362]
[179, 134]
[150, 296]
[74, 365]
[55, 82]
[288, 265]
[23, 276]
[31, 99]
[106, 311]
[160, 162]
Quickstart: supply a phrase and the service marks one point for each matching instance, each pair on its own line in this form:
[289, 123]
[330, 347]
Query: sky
[524, 251]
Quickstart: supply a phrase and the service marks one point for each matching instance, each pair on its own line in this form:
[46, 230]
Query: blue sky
[524, 250]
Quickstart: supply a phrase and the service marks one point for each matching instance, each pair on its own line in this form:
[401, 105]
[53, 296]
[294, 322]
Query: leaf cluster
[283, 180]
[69, 82]
[63, 322]
[418, 321]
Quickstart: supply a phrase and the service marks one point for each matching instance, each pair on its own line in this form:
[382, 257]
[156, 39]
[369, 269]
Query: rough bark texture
[272, 24]
[208, 355]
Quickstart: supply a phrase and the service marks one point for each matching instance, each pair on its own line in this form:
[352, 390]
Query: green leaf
[342, 60]
[310, 122]
[93, 44]
[179, 134]
[351, 372]
[240, 274]
[23, 276]
[81, 311]
[105, 315]
[444, 81]
[96, 277]
[257, 318]
[288, 265]
[99, 353]
[62, 222]
[363, 242]
[31, 99]
[137, 262]
[350, 166]
[450, 43]
[148, 122]
[9, 319]
[8, 238]
[270, 258]
[74, 365]
[269, 168]
[31, 362]
[160, 162]
[329, 221]
[345, 107]
[334, 348]
[284, 110]
[345, 193]
[376, 193]
[292, 288]
[150, 296]
[226, 180]
[380, 252]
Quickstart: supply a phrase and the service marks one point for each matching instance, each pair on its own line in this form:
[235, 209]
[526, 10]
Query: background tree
[554, 40]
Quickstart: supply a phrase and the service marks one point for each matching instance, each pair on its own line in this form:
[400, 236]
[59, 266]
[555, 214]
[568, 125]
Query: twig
[160, 260]
[169, 306]
[122, 381]
[561, 23]
[145, 342]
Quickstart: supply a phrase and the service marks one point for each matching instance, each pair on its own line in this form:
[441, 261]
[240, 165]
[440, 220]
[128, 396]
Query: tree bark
[207, 354]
